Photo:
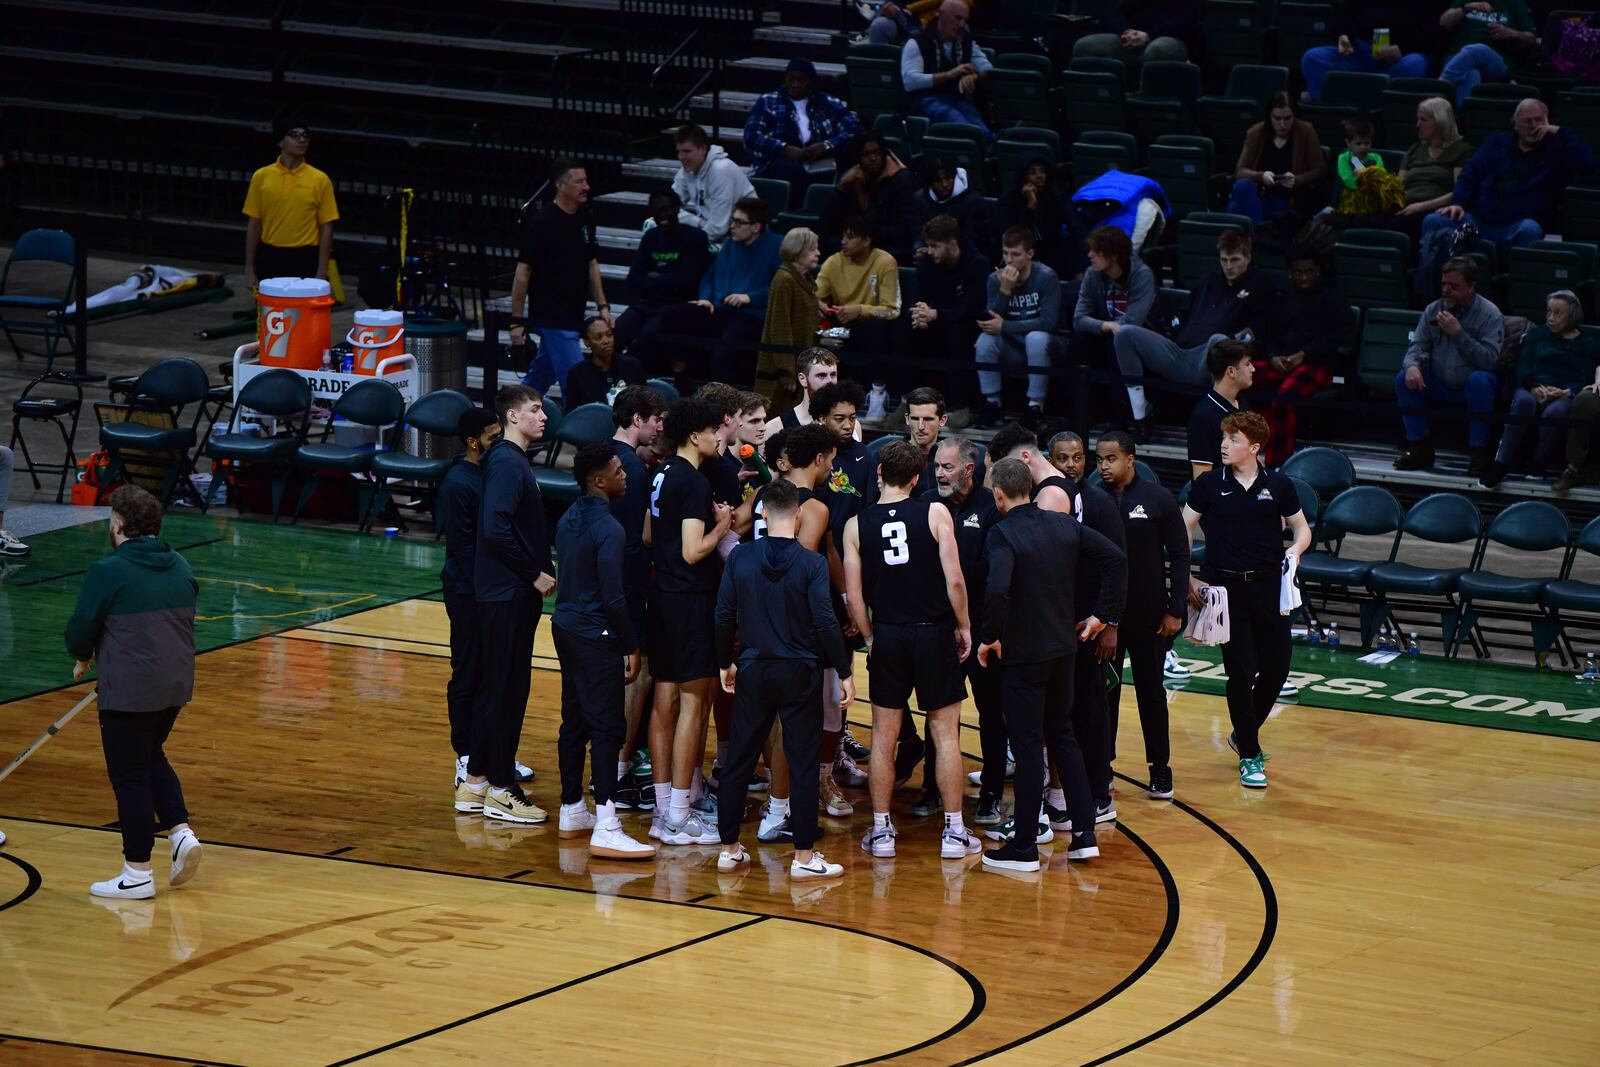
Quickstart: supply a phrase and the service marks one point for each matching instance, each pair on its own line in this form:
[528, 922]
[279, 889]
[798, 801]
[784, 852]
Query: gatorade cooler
[295, 324]
[377, 335]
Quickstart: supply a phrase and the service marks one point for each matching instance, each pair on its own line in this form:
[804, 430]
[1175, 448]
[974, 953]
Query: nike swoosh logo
[1229, 493]
[136, 885]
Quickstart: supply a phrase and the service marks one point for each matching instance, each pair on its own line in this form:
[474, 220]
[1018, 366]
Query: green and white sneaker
[639, 766]
[1253, 772]
[1008, 830]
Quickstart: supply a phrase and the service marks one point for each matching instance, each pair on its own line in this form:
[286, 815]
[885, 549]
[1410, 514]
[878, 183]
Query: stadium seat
[1580, 213]
[774, 191]
[1165, 101]
[874, 84]
[437, 413]
[38, 314]
[167, 388]
[1345, 94]
[1571, 595]
[373, 404]
[1019, 98]
[1385, 336]
[1299, 26]
[281, 394]
[1373, 267]
[1310, 503]
[1537, 272]
[1184, 175]
[1091, 159]
[1327, 470]
[875, 445]
[1580, 110]
[1226, 118]
[1526, 526]
[1092, 100]
[1234, 32]
[1027, 61]
[1365, 510]
[1485, 113]
[810, 213]
[1438, 519]
[668, 391]
[581, 426]
[1197, 242]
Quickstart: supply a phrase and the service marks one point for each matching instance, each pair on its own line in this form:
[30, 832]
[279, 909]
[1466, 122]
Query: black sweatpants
[1256, 656]
[505, 632]
[1037, 698]
[791, 689]
[591, 713]
[465, 669]
[149, 795]
[985, 683]
[1091, 721]
[275, 262]
[723, 341]
[1145, 650]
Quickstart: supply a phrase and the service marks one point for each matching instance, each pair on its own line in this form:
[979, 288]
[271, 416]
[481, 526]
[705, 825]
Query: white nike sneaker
[186, 854]
[819, 867]
[732, 861]
[692, 831]
[575, 824]
[129, 885]
[613, 843]
[954, 845]
[524, 773]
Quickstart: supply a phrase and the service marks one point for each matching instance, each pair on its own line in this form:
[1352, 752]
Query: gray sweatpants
[1142, 352]
[8, 462]
[1012, 349]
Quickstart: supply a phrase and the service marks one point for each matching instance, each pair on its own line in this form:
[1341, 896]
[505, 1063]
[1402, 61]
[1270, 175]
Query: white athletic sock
[605, 817]
[476, 787]
[1136, 400]
[953, 823]
[622, 769]
[880, 820]
[133, 876]
[663, 797]
[722, 753]
[778, 806]
[580, 808]
[1058, 798]
[680, 806]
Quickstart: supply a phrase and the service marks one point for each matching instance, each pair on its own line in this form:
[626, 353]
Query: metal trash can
[440, 348]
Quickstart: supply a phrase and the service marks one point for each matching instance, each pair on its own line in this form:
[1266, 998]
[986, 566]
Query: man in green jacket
[135, 618]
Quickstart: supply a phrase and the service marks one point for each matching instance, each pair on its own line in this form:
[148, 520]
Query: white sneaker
[1171, 668]
[692, 831]
[461, 770]
[186, 855]
[732, 861]
[1289, 691]
[846, 772]
[819, 867]
[129, 885]
[2, 837]
[879, 842]
[656, 822]
[1106, 812]
[613, 843]
[575, 824]
[524, 773]
[10, 546]
[976, 777]
[774, 827]
[954, 845]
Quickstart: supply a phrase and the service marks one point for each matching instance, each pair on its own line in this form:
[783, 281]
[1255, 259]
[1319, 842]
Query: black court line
[126, 1052]
[702, 896]
[84, 570]
[340, 851]
[518, 874]
[34, 881]
[553, 989]
[286, 636]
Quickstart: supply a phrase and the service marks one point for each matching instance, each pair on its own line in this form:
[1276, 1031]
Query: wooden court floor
[1406, 892]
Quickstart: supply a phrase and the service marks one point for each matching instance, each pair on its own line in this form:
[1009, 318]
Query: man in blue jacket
[594, 637]
[790, 127]
[512, 573]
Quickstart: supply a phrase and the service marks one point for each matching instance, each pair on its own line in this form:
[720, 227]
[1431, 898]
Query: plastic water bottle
[1333, 635]
[1313, 634]
[1591, 670]
[1413, 648]
[1386, 642]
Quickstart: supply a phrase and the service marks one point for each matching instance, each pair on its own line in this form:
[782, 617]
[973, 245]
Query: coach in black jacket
[1033, 562]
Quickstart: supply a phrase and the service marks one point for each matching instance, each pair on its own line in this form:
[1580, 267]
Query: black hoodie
[513, 545]
[774, 594]
[968, 207]
[1055, 242]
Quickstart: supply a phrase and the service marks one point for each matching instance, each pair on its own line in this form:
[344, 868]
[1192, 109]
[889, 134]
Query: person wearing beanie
[291, 210]
[789, 130]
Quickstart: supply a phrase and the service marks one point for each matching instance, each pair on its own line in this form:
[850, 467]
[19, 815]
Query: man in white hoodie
[709, 183]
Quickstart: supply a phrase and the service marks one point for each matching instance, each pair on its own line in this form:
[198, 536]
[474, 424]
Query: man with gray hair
[1451, 360]
[1511, 187]
[942, 68]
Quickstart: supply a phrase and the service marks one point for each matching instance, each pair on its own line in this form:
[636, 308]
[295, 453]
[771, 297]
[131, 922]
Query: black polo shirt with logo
[1243, 527]
[1205, 428]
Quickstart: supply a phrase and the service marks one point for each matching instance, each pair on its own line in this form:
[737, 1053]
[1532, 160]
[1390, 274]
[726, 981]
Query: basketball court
[1419, 885]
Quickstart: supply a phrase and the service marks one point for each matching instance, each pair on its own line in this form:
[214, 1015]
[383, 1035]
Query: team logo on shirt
[1138, 512]
[839, 482]
[1266, 494]
[971, 522]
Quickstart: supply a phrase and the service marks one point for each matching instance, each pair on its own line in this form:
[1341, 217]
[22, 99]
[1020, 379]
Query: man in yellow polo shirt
[292, 211]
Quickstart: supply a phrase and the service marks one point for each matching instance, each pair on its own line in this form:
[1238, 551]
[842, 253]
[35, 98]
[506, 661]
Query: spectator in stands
[1556, 363]
[1141, 30]
[888, 22]
[291, 210]
[948, 192]
[560, 266]
[1451, 360]
[604, 373]
[1231, 371]
[792, 316]
[1512, 185]
[1486, 36]
[1235, 302]
[1581, 437]
[1118, 289]
[708, 183]
[667, 269]
[1432, 166]
[1019, 327]
[11, 547]
[1411, 29]
[879, 186]
[1300, 347]
[732, 306]
[953, 276]
[790, 127]
[1037, 205]
[1361, 193]
[859, 287]
[943, 69]
[1281, 167]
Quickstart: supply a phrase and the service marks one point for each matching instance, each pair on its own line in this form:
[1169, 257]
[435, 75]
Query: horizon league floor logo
[1418, 696]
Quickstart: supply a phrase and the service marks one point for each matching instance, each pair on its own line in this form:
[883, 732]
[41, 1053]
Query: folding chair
[437, 413]
[584, 425]
[47, 315]
[30, 407]
[278, 393]
[1527, 526]
[170, 386]
[374, 404]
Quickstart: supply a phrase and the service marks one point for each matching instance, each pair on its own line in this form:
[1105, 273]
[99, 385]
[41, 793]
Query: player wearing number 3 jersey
[905, 592]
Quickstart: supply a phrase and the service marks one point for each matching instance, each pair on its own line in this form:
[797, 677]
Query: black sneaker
[853, 748]
[986, 414]
[626, 796]
[647, 791]
[1082, 846]
[1161, 783]
[988, 813]
[1014, 857]
[1140, 431]
[907, 758]
[929, 803]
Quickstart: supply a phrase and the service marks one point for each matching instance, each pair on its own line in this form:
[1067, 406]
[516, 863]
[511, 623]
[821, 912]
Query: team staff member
[637, 412]
[460, 496]
[135, 618]
[775, 594]
[1052, 491]
[291, 210]
[684, 527]
[905, 592]
[1153, 529]
[1242, 508]
[1232, 370]
[593, 637]
[1029, 629]
[511, 575]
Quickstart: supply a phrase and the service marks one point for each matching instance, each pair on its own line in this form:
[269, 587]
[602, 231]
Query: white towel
[1289, 589]
[1209, 625]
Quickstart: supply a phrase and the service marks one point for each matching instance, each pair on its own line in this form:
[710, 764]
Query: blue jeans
[1478, 396]
[1249, 199]
[1551, 432]
[1317, 62]
[945, 109]
[559, 352]
[1471, 65]
[1505, 235]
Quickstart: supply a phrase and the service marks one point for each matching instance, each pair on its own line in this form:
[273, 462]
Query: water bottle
[1591, 670]
[1413, 647]
[1333, 635]
[1380, 40]
[1313, 634]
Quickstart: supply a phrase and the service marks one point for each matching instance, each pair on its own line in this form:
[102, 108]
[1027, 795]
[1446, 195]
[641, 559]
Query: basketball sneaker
[1161, 783]
[976, 777]
[853, 748]
[1007, 830]
[185, 857]
[469, 799]
[461, 770]
[833, 800]
[129, 885]
[613, 843]
[1253, 772]
[1105, 811]
[845, 771]
[819, 867]
[11, 546]
[1059, 820]
[1171, 668]
[731, 861]
[692, 831]
[573, 824]
[1082, 846]
[511, 805]
[1012, 856]
[988, 813]
[524, 773]
[774, 827]
[955, 844]
[879, 842]
[1288, 691]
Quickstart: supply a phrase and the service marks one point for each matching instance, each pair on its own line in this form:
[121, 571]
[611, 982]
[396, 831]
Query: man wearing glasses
[291, 210]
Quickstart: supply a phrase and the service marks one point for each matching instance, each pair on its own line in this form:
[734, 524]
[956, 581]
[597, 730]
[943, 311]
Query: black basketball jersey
[679, 492]
[900, 570]
[758, 527]
[1065, 484]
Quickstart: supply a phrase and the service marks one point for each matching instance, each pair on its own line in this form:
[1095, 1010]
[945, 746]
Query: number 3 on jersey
[655, 495]
[899, 551]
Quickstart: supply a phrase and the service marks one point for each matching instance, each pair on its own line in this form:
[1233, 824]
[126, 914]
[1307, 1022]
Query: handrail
[655, 75]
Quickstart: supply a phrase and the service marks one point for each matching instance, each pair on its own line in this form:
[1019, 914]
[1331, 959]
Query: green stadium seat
[1385, 336]
[1092, 100]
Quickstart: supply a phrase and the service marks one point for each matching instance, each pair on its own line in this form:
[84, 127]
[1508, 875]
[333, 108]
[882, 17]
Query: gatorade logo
[280, 323]
[367, 338]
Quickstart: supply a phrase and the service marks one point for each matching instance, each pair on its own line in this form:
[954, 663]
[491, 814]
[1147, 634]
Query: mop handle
[55, 728]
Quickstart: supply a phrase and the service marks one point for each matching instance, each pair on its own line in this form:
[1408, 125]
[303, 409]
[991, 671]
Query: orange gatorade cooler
[295, 323]
[377, 335]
